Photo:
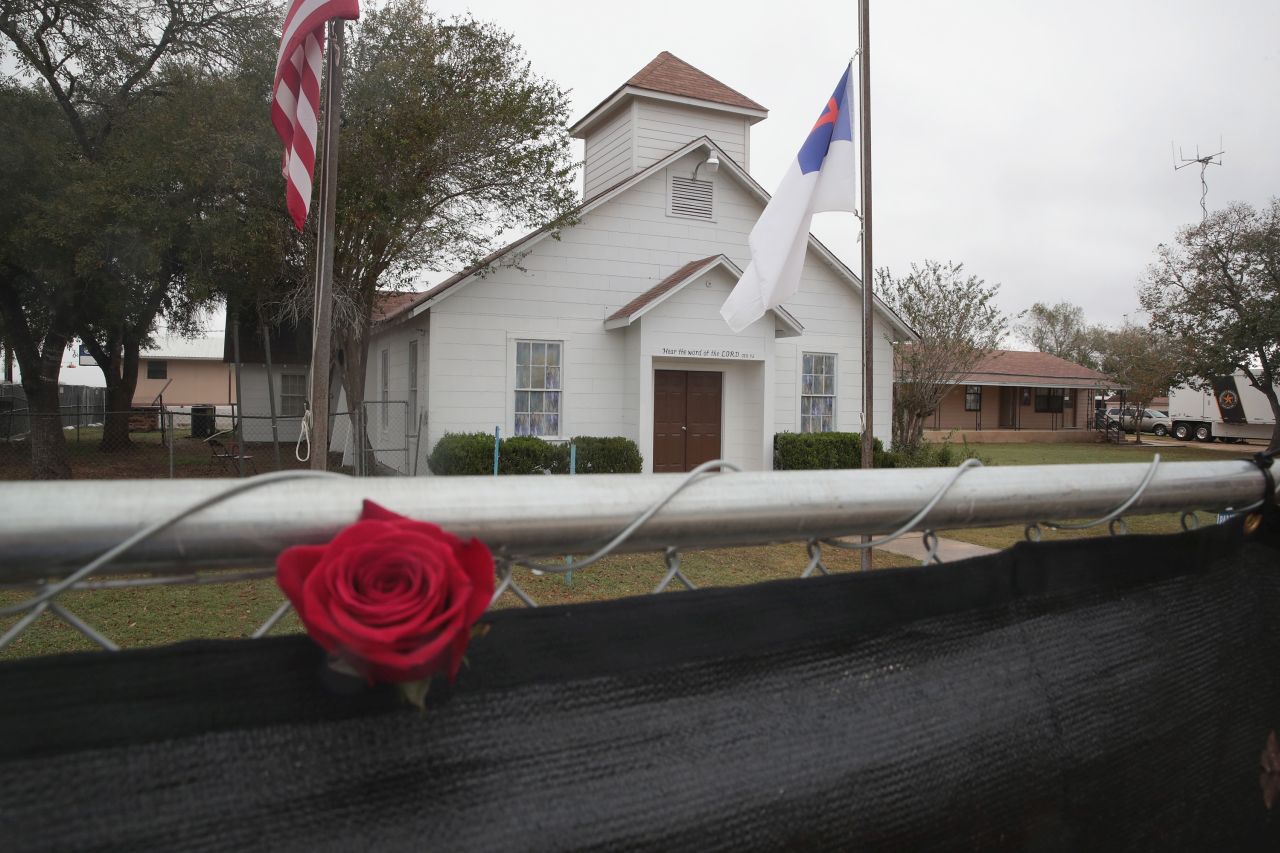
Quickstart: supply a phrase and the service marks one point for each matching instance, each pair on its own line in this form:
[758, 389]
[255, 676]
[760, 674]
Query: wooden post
[239, 410]
[271, 389]
[322, 332]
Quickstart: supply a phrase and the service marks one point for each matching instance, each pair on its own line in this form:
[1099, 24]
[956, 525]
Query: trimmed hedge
[527, 454]
[820, 451]
[462, 453]
[829, 450]
[614, 455]
[458, 454]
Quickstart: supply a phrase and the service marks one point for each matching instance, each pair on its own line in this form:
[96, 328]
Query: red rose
[394, 598]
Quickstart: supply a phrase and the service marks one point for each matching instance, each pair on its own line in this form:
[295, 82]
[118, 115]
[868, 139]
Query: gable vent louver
[691, 198]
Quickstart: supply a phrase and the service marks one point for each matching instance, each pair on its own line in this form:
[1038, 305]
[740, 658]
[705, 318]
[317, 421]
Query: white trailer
[1230, 409]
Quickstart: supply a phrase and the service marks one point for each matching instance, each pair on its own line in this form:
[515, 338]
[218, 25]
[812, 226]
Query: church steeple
[663, 106]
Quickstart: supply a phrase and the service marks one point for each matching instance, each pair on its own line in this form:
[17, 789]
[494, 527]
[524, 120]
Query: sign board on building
[706, 352]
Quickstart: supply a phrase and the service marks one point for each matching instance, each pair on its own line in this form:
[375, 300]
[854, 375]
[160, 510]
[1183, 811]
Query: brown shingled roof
[388, 303]
[1033, 368]
[660, 288]
[671, 75]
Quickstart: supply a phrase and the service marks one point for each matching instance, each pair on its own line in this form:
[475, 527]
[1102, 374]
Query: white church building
[613, 327]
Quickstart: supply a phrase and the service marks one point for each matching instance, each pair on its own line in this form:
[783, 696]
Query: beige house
[1011, 390]
[184, 372]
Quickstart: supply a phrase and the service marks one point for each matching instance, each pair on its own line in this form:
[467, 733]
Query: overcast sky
[1028, 140]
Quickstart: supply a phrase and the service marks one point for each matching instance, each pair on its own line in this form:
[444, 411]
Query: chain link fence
[377, 439]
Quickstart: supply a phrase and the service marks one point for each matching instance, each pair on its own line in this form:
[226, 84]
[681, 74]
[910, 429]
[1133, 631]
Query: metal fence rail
[531, 516]
[175, 529]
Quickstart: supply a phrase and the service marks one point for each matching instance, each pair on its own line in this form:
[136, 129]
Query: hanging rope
[304, 437]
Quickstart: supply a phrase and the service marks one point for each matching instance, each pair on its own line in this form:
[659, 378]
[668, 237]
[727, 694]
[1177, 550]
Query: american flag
[295, 105]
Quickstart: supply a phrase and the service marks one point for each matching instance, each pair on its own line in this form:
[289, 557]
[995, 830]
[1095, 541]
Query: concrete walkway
[949, 550]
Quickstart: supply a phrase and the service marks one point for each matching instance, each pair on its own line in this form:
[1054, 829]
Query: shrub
[614, 455]
[816, 451]
[930, 455]
[458, 454]
[529, 454]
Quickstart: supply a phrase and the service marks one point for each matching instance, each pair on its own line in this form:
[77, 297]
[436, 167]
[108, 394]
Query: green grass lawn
[137, 617]
[158, 615]
[1085, 453]
[1079, 454]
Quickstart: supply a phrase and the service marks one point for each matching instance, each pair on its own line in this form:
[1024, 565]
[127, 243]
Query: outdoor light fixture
[712, 163]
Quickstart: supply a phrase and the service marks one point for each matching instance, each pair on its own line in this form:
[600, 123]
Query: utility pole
[868, 302]
[322, 332]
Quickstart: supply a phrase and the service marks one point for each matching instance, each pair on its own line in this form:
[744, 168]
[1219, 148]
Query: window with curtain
[818, 392]
[538, 387]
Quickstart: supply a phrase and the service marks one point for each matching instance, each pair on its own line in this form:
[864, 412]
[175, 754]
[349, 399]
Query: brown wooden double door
[686, 418]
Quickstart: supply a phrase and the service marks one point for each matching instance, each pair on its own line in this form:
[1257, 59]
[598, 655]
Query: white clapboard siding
[564, 290]
[662, 127]
[256, 408]
[608, 153]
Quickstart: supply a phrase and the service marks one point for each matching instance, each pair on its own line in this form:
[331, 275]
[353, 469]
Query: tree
[77, 257]
[448, 139]
[1216, 293]
[1061, 330]
[1145, 363]
[959, 325]
[37, 159]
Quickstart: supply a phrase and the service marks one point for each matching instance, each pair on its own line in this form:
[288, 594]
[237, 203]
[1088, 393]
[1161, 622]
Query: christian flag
[295, 102]
[823, 177]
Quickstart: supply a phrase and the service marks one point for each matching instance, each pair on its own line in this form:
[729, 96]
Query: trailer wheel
[1203, 433]
[1181, 431]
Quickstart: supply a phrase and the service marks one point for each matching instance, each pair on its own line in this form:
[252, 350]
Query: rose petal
[477, 562]
[313, 609]
[294, 565]
[370, 511]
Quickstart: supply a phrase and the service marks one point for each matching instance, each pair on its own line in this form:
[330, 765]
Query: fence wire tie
[915, 520]
[814, 549]
[1264, 461]
[44, 600]
[506, 582]
[930, 549]
[1115, 524]
[672, 558]
[628, 531]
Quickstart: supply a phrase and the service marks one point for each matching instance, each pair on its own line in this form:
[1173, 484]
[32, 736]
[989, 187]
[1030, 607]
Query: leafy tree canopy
[448, 139]
[959, 325]
[1215, 291]
[1061, 330]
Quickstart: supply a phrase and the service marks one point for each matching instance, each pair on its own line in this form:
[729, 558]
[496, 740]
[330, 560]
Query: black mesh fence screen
[1090, 695]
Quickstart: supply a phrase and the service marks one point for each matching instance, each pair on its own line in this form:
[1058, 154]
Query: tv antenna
[1205, 162]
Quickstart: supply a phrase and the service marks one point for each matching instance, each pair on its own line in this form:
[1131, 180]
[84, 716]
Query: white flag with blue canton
[822, 178]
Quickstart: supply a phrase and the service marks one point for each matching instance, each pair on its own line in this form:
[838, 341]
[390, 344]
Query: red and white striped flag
[295, 104]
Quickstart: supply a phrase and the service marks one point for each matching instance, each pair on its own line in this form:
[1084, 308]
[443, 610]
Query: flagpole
[321, 337]
[868, 317]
